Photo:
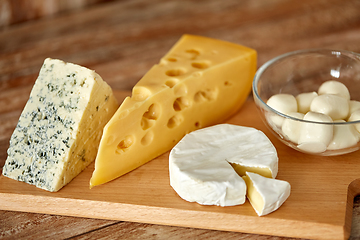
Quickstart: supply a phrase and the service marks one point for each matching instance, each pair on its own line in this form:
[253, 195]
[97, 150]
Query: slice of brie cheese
[265, 194]
[200, 164]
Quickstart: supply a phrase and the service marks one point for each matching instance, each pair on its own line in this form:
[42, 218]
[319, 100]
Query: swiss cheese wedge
[199, 82]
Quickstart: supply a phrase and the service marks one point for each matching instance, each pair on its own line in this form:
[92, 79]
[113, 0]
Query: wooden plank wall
[17, 11]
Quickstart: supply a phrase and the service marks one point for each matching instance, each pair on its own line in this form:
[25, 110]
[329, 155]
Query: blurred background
[17, 11]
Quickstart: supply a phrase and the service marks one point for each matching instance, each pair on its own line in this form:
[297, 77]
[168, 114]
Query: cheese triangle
[59, 130]
[199, 82]
[265, 194]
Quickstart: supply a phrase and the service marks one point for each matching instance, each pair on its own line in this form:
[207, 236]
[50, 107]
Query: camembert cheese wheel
[59, 130]
[199, 82]
[200, 164]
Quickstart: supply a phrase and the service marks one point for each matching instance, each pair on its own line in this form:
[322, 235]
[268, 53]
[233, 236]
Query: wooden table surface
[121, 40]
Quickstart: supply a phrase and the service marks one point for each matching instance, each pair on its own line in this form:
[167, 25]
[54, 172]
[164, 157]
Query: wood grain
[126, 230]
[23, 225]
[319, 184]
[17, 11]
[121, 40]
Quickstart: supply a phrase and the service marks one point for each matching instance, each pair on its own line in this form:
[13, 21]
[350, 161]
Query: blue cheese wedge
[207, 164]
[59, 130]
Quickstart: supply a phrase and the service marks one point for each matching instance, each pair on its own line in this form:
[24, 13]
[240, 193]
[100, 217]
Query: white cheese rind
[212, 183]
[60, 127]
[199, 165]
[274, 192]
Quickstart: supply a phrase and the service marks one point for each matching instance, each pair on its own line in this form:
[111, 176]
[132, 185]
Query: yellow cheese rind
[199, 82]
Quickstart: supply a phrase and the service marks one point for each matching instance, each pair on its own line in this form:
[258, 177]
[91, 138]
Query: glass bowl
[304, 71]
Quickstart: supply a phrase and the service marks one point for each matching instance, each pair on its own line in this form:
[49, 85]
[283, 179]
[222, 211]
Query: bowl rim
[268, 63]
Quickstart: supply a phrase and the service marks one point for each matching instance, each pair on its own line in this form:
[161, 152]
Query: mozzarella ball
[344, 136]
[304, 100]
[335, 88]
[283, 103]
[332, 105]
[275, 121]
[315, 137]
[355, 116]
[354, 106]
[291, 128]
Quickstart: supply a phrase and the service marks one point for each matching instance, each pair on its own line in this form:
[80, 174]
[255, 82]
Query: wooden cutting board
[319, 207]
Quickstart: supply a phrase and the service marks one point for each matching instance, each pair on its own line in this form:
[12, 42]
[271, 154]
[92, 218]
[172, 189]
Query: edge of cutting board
[353, 191]
[323, 193]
